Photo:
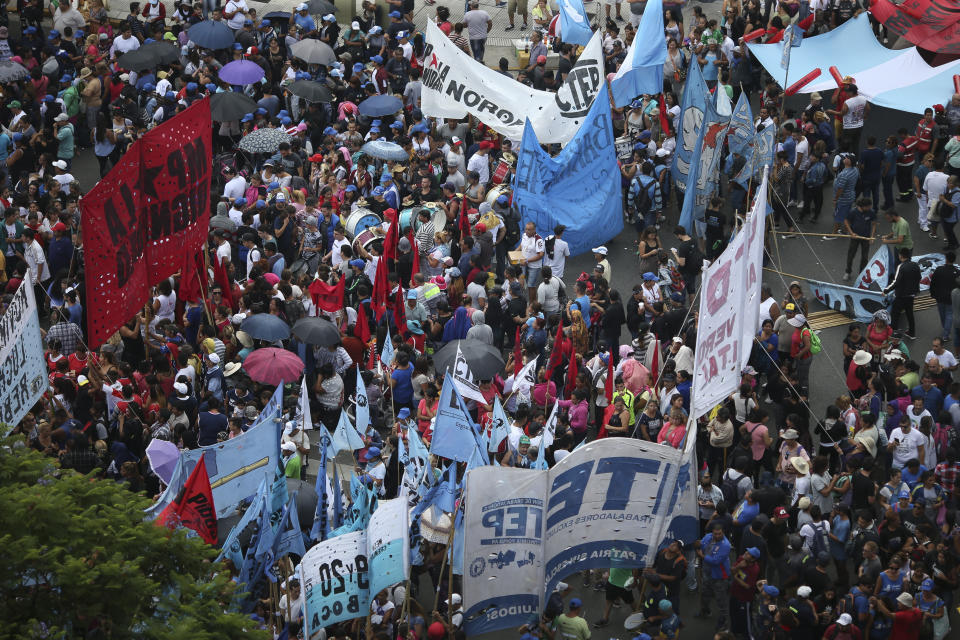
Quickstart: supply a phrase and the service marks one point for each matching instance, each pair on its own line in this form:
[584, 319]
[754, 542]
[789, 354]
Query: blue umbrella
[380, 106]
[241, 72]
[211, 35]
[385, 150]
[264, 326]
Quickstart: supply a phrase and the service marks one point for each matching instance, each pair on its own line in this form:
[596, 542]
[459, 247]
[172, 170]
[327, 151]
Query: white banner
[23, 371]
[454, 84]
[729, 297]
[606, 504]
[388, 545]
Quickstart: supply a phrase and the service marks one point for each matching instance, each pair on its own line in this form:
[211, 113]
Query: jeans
[478, 47]
[888, 191]
[872, 189]
[946, 318]
[905, 305]
[812, 200]
[864, 246]
[715, 588]
[948, 233]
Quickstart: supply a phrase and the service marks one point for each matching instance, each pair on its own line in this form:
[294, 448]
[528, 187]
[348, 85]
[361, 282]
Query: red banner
[138, 222]
[194, 507]
[327, 297]
[933, 25]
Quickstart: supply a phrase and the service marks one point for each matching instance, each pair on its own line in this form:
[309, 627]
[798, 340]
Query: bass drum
[497, 191]
[409, 216]
[359, 221]
[367, 239]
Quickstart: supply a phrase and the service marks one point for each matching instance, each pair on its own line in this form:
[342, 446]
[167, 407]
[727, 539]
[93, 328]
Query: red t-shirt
[906, 625]
[749, 573]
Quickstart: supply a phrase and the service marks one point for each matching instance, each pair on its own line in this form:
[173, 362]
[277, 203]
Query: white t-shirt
[853, 118]
[253, 257]
[946, 358]
[235, 188]
[915, 417]
[907, 445]
[531, 246]
[240, 6]
[336, 259]
[808, 530]
[224, 252]
[935, 184]
[558, 261]
[481, 164]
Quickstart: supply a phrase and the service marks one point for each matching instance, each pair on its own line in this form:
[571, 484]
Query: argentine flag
[642, 70]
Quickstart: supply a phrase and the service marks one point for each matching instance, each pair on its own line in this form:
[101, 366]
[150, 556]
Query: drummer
[474, 191]
[426, 191]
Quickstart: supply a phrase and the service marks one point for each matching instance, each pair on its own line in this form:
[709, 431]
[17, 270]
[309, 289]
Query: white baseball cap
[601, 250]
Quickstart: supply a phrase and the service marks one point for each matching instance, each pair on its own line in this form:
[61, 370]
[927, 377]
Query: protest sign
[454, 84]
[139, 222]
[550, 191]
[642, 69]
[335, 578]
[605, 505]
[454, 433]
[23, 371]
[388, 551]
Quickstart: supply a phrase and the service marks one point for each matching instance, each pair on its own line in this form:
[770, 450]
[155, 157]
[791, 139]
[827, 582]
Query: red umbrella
[273, 366]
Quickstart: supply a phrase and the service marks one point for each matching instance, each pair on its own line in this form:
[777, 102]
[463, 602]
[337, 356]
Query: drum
[633, 622]
[366, 239]
[359, 221]
[497, 191]
[409, 216]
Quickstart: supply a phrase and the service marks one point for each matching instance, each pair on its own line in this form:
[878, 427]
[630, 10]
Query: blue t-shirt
[710, 68]
[744, 514]
[871, 161]
[583, 305]
[402, 385]
[840, 527]
[790, 148]
[305, 22]
[932, 399]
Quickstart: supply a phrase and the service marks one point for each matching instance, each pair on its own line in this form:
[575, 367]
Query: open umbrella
[316, 330]
[264, 326]
[211, 34]
[164, 51]
[273, 366]
[264, 140]
[310, 91]
[163, 456]
[385, 150]
[241, 72]
[313, 52]
[380, 106]
[484, 360]
[12, 71]
[142, 59]
[231, 105]
[320, 7]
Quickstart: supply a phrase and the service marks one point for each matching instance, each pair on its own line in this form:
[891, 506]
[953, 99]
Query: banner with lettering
[550, 190]
[139, 221]
[727, 324]
[605, 505]
[454, 84]
[194, 508]
[23, 371]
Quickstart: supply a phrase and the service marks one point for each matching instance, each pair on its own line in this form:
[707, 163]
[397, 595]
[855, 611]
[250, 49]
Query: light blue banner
[642, 70]
[742, 130]
[762, 149]
[574, 22]
[454, 434]
[387, 550]
[23, 371]
[705, 161]
[551, 191]
[859, 304]
[695, 94]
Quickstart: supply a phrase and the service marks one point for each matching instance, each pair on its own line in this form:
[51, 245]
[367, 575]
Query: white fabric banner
[454, 84]
[23, 370]
[727, 324]
[605, 505]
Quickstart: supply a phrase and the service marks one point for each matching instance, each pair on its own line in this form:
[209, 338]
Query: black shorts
[614, 592]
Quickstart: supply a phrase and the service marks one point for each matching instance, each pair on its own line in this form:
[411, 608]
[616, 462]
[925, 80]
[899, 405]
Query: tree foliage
[77, 560]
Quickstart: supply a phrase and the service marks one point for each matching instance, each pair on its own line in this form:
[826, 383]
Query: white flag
[463, 379]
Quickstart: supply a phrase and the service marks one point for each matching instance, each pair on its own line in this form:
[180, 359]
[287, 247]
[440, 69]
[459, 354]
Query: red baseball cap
[781, 513]
[436, 631]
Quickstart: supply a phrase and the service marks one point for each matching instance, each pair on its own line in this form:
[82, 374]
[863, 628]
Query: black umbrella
[165, 51]
[211, 34]
[380, 106]
[316, 330]
[320, 7]
[484, 360]
[313, 52]
[231, 105]
[265, 326]
[311, 91]
[137, 60]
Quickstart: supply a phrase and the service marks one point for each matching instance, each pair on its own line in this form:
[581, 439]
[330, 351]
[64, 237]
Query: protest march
[326, 343]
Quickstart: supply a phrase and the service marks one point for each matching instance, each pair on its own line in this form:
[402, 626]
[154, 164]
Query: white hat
[845, 619]
[895, 354]
[905, 599]
[862, 357]
[288, 446]
[674, 338]
[60, 164]
[124, 77]
[355, 25]
[804, 591]
[662, 153]
[454, 599]
[61, 118]
[797, 320]
[180, 388]
[231, 368]
[601, 250]
[561, 586]
[82, 380]
[302, 6]
[213, 358]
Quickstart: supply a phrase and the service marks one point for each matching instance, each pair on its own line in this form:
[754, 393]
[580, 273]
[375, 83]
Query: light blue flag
[479, 457]
[346, 438]
[541, 461]
[446, 498]
[320, 525]
[358, 516]
[231, 546]
[642, 69]
[742, 130]
[337, 499]
[457, 549]
[702, 179]
[288, 539]
[549, 191]
[386, 355]
[235, 466]
[278, 496]
[499, 430]
[455, 436]
[694, 103]
[363, 405]
[574, 22]
[419, 450]
[268, 531]
[762, 153]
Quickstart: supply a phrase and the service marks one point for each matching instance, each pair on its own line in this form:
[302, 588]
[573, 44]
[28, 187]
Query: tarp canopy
[895, 79]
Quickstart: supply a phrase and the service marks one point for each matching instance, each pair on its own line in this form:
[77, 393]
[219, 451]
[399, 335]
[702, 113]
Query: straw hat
[801, 465]
[438, 532]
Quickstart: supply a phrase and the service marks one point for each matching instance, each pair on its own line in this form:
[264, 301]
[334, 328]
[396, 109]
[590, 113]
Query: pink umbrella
[273, 366]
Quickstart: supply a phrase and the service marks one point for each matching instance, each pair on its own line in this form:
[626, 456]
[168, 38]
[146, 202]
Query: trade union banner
[23, 371]
[454, 84]
[139, 221]
[608, 504]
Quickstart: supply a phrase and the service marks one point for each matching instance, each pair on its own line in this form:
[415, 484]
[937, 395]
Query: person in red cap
[480, 162]
[436, 631]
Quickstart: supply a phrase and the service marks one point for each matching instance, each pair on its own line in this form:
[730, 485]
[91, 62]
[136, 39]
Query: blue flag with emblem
[763, 150]
[702, 178]
[446, 498]
[741, 133]
[320, 525]
[289, 538]
[363, 404]
[549, 190]
[231, 546]
[364, 503]
[386, 355]
[345, 438]
[693, 105]
[574, 22]
[642, 69]
[499, 427]
[455, 436]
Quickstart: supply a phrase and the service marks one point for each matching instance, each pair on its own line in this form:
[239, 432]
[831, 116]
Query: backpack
[815, 345]
[512, 223]
[820, 541]
[730, 489]
[643, 201]
[846, 605]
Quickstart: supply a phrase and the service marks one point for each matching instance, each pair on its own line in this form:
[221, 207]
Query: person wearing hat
[743, 586]
[290, 460]
[375, 469]
[64, 132]
[800, 350]
[906, 617]
[571, 624]
[301, 18]
[600, 257]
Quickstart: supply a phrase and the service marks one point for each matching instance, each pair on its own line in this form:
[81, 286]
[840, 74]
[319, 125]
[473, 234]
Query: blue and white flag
[231, 546]
[320, 524]
[541, 461]
[499, 426]
[742, 130]
[762, 154]
[417, 471]
[550, 191]
[289, 538]
[386, 355]
[574, 22]
[455, 435]
[694, 103]
[388, 552]
[346, 438]
[706, 161]
[364, 502]
[642, 69]
[363, 404]
[446, 498]
[303, 410]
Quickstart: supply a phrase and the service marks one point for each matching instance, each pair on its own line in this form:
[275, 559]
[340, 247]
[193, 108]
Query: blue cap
[358, 66]
[285, 121]
[264, 23]
[502, 199]
[377, 58]
[149, 86]
[192, 86]
[377, 122]
[411, 295]
[404, 413]
[273, 185]
[649, 276]
[904, 495]
[771, 590]
[358, 263]
[240, 201]
[665, 605]
[49, 98]
[30, 29]
[67, 78]
[396, 125]
[414, 327]
[754, 552]
[374, 129]
[247, 22]
[247, 118]
[283, 112]
[926, 585]
[395, 14]
[636, 104]
[78, 34]
[211, 86]
[386, 178]
[237, 46]
[421, 128]
[261, 111]
[261, 204]
[170, 95]
[575, 603]
[377, 191]
[373, 452]
[351, 188]
[330, 131]
[17, 137]
[148, 40]
[335, 73]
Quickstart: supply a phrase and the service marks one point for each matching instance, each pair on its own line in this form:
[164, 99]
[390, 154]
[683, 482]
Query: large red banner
[930, 24]
[140, 220]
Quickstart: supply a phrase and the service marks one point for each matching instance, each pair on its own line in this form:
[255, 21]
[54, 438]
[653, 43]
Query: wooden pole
[822, 235]
[206, 268]
[443, 565]
[453, 528]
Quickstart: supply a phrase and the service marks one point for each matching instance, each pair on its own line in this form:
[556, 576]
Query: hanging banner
[23, 370]
[642, 69]
[139, 222]
[454, 84]
[705, 162]
[876, 275]
[335, 576]
[859, 304]
[605, 505]
[550, 191]
[388, 546]
[694, 104]
[574, 22]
